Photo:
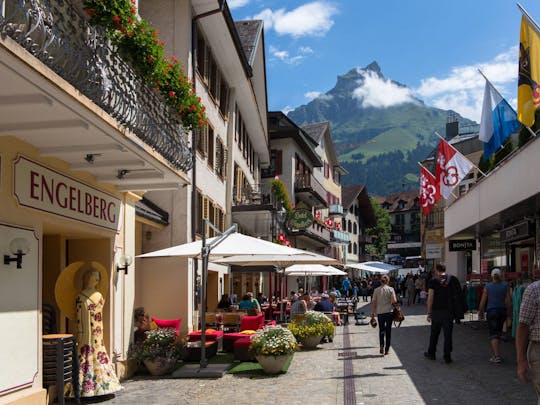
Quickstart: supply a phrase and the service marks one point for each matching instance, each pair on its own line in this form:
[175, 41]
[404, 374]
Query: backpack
[457, 304]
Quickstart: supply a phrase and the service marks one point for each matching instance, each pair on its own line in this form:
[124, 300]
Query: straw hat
[70, 283]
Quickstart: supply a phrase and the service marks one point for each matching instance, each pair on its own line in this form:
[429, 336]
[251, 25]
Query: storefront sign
[433, 251]
[39, 187]
[512, 276]
[300, 219]
[516, 232]
[459, 245]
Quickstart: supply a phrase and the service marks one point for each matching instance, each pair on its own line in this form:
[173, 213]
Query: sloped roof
[280, 126]
[249, 32]
[408, 198]
[316, 130]
[359, 192]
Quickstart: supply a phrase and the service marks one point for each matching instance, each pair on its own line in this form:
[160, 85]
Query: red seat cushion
[252, 322]
[168, 323]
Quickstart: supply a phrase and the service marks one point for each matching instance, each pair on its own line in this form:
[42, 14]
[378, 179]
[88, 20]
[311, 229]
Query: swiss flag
[452, 167]
[429, 192]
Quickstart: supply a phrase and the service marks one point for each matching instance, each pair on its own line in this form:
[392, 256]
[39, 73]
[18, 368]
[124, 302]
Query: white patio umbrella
[313, 270]
[278, 260]
[373, 267]
[234, 244]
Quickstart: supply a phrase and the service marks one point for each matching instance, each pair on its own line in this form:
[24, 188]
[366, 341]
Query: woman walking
[497, 296]
[384, 299]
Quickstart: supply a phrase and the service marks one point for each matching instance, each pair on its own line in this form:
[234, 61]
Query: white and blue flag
[499, 121]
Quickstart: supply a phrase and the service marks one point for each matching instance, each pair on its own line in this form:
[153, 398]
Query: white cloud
[463, 89]
[237, 3]
[310, 19]
[310, 95]
[379, 92]
[287, 109]
[286, 57]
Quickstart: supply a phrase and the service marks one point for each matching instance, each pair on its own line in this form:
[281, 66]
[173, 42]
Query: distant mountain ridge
[380, 129]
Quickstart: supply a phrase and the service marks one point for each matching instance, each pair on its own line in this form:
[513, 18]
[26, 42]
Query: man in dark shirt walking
[444, 292]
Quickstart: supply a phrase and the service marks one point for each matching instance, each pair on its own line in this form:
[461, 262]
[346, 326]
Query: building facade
[359, 216]
[94, 167]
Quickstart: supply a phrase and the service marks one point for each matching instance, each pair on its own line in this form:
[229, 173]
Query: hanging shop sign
[37, 186]
[459, 245]
[300, 219]
[433, 251]
[519, 231]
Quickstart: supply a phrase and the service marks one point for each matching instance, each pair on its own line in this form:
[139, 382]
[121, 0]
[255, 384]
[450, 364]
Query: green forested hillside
[380, 147]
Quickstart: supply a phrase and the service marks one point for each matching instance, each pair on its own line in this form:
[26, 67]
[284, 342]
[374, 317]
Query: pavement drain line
[349, 391]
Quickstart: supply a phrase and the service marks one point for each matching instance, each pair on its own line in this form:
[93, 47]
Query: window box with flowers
[138, 43]
[273, 346]
[311, 328]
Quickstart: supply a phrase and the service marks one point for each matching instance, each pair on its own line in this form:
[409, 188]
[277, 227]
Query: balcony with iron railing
[253, 195]
[316, 232]
[56, 33]
[306, 183]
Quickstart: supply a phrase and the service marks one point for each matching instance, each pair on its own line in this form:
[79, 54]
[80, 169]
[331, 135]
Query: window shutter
[224, 162]
[210, 149]
[279, 162]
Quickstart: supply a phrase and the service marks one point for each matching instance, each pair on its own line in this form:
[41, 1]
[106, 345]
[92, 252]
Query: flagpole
[529, 18]
[476, 167]
[501, 96]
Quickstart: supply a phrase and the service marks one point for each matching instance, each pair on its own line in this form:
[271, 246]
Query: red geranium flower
[116, 19]
[172, 93]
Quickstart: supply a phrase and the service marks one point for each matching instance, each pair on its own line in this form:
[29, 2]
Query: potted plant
[273, 346]
[310, 329]
[159, 352]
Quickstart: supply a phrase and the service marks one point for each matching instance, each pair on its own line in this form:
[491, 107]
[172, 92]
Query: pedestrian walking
[382, 304]
[444, 295]
[528, 337]
[497, 297]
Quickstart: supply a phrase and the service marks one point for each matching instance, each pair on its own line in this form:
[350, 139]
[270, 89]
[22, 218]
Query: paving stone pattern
[323, 375]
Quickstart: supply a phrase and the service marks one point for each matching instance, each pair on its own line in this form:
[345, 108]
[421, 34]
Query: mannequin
[96, 374]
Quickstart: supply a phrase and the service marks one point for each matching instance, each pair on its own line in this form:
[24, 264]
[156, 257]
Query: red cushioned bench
[211, 335]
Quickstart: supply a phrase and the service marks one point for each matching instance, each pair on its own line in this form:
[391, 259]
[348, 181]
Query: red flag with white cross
[452, 167]
[429, 192]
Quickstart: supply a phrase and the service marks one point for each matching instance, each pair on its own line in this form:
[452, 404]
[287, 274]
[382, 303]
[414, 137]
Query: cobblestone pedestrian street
[355, 373]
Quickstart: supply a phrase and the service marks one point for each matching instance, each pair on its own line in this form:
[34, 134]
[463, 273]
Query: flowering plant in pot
[314, 325]
[273, 346]
[159, 352]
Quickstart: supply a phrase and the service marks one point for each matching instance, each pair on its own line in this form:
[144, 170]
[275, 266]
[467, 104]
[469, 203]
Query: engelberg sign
[37, 186]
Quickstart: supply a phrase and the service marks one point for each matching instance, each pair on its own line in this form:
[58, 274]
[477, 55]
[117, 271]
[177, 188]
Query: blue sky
[432, 46]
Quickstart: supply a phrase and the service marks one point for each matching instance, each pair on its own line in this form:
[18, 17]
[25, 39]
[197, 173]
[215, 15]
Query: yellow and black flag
[529, 72]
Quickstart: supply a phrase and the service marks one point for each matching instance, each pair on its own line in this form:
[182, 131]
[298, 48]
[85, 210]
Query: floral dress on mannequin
[96, 374]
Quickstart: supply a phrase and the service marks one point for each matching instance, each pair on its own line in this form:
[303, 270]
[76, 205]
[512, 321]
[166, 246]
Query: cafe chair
[231, 322]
